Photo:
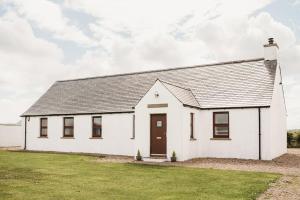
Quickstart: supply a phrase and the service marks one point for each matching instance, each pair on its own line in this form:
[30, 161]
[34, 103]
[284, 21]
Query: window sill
[67, 138]
[43, 137]
[96, 138]
[220, 138]
[193, 139]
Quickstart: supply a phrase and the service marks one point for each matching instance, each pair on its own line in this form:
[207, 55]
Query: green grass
[64, 176]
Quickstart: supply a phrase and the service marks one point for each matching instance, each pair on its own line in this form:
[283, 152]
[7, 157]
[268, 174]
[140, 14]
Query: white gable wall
[116, 133]
[174, 121]
[278, 129]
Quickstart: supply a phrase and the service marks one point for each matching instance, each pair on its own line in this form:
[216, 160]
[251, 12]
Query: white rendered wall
[191, 148]
[265, 134]
[278, 129]
[174, 121]
[116, 135]
[243, 134]
[11, 135]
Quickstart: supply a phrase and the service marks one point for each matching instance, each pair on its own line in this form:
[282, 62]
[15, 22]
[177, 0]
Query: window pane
[221, 118]
[44, 132]
[221, 130]
[97, 132]
[68, 132]
[44, 122]
[159, 124]
[69, 121]
[97, 121]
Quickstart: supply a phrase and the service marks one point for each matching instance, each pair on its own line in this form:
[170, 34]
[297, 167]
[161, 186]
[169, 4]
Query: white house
[227, 110]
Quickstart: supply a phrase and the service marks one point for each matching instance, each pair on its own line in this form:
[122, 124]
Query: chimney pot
[271, 50]
[271, 40]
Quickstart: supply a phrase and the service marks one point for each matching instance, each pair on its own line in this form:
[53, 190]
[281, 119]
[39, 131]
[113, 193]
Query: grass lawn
[61, 176]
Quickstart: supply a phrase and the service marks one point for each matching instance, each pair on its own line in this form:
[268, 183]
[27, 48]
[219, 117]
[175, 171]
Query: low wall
[11, 135]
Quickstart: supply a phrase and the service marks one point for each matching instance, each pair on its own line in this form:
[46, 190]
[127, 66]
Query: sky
[45, 41]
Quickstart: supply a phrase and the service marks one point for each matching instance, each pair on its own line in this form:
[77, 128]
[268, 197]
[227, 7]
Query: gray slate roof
[184, 95]
[246, 83]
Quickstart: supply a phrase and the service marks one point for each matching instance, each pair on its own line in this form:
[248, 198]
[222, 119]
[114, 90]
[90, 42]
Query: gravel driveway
[286, 188]
[287, 164]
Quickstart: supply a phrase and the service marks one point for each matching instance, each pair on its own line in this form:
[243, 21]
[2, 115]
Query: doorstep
[155, 159]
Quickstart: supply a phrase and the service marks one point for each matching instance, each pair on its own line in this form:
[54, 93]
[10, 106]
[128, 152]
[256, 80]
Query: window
[221, 124]
[159, 124]
[192, 125]
[133, 127]
[68, 127]
[44, 127]
[97, 127]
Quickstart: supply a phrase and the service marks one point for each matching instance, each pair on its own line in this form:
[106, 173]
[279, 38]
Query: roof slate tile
[246, 83]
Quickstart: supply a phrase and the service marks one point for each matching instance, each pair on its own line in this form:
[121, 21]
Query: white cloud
[48, 16]
[28, 66]
[156, 13]
[217, 39]
[296, 2]
[135, 35]
[196, 41]
[231, 38]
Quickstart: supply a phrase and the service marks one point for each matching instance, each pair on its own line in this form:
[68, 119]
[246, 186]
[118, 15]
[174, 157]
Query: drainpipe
[259, 134]
[25, 133]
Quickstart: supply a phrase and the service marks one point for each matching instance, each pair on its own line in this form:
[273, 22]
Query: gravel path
[287, 188]
[288, 164]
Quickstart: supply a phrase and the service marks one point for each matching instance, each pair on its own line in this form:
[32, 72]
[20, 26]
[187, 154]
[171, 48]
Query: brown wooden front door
[158, 132]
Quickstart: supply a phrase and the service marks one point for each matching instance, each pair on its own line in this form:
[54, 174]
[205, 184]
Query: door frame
[159, 155]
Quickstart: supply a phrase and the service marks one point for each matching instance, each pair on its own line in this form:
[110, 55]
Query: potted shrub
[173, 158]
[138, 156]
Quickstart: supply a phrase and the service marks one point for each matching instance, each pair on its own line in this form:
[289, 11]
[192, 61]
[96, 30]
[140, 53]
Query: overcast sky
[44, 41]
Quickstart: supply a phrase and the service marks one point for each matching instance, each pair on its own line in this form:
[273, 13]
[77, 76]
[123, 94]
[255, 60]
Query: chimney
[271, 50]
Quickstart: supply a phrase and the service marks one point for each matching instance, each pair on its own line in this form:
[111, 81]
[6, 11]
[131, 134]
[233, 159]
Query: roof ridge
[166, 69]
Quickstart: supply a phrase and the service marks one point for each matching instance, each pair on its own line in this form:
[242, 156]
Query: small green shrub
[173, 158]
[139, 156]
